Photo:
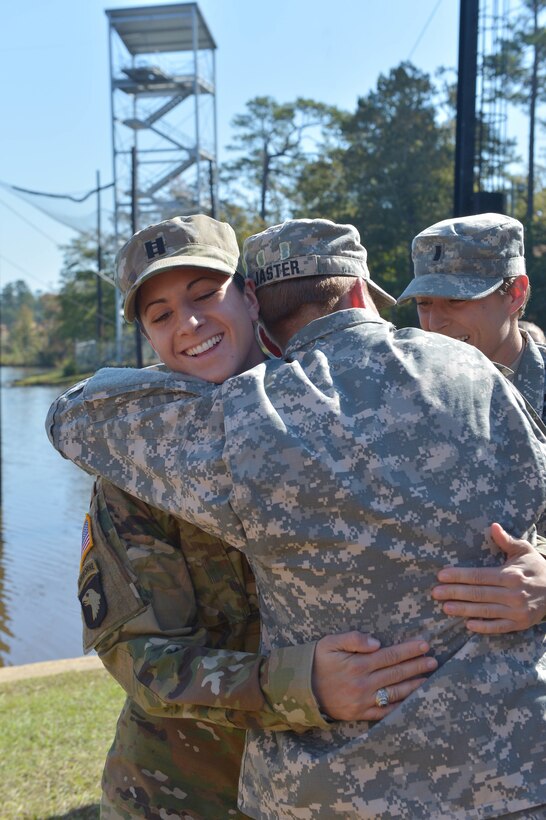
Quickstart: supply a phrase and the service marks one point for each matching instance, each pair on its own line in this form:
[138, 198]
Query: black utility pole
[100, 316]
[213, 207]
[463, 204]
[134, 222]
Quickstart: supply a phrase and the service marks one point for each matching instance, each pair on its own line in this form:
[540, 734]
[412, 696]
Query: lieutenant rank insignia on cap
[91, 595]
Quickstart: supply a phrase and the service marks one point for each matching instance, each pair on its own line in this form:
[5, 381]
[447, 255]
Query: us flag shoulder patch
[87, 539]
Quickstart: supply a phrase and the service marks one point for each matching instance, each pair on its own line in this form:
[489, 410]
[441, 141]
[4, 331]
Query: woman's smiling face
[200, 323]
[484, 323]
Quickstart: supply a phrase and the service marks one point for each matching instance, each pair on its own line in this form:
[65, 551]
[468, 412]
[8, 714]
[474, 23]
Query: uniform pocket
[106, 586]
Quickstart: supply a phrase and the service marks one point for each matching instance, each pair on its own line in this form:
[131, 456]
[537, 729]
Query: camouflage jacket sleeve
[124, 423]
[180, 629]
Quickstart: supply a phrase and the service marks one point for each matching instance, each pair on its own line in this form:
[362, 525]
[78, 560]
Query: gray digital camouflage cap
[466, 258]
[196, 241]
[307, 247]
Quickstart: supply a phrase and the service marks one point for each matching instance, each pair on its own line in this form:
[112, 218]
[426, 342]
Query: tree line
[387, 167]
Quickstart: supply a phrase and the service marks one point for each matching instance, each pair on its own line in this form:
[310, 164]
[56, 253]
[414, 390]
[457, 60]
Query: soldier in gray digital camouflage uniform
[348, 474]
[470, 284]
[172, 610]
[535, 332]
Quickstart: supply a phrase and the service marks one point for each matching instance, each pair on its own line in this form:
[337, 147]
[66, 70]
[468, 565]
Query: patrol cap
[307, 247]
[466, 258]
[196, 241]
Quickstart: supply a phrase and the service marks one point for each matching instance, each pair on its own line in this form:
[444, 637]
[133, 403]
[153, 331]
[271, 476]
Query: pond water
[44, 499]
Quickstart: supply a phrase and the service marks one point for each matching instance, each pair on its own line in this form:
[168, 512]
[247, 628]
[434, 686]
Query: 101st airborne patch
[90, 591]
[91, 595]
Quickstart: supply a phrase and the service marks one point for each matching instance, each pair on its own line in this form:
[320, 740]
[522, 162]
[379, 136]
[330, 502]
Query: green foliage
[52, 348]
[41, 329]
[271, 140]
[243, 223]
[29, 335]
[391, 174]
[15, 295]
[514, 59]
[386, 167]
[24, 336]
[55, 733]
[520, 65]
[323, 191]
[69, 368]
[53, 376]
[82, 292]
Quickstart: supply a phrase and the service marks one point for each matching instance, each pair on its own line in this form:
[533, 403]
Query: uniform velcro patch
[87, 539]
[91, 595]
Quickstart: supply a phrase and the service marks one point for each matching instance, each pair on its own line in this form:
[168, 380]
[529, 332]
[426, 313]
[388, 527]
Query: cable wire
[434, 10]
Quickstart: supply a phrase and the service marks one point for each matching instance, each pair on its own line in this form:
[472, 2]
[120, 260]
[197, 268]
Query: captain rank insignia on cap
[155, 247]
[91, 595]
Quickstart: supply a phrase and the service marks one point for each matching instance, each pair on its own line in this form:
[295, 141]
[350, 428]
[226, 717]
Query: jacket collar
[333, 323]
[530, 376]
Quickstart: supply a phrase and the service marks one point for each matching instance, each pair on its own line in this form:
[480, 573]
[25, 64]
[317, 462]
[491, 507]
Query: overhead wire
[19, 267]
[47, 236]
[28, 222]
[63, 196]
[434, 10]
[69, 299]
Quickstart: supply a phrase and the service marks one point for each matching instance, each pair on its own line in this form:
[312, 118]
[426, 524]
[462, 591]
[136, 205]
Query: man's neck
[309, 313]
[510, 349]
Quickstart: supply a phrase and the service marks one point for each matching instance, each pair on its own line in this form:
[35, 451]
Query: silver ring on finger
[382, 698]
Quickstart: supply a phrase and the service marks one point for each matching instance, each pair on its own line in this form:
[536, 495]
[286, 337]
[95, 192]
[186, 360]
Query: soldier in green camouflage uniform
[348, 475]
[470, 284]
[172, 611]
[182, 608]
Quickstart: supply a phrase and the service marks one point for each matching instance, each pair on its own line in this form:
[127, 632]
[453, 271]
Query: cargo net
[67, 209]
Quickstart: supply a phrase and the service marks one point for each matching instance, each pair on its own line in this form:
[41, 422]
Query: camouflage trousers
[156, 770]
[109, 811]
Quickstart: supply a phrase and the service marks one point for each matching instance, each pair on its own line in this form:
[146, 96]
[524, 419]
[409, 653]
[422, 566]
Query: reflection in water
[4, 617]
[44, 501]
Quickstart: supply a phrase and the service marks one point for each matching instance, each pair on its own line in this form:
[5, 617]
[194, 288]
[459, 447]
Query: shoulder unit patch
[91, 595]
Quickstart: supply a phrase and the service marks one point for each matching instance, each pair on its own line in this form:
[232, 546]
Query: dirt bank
[40, 670]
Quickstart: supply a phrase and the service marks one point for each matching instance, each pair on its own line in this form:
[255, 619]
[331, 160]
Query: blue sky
[55, 97]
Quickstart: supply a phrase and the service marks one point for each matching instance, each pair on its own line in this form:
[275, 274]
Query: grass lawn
[51, 377]
[54, 735]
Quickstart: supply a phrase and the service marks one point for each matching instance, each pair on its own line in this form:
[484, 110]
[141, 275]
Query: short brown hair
[284, 300]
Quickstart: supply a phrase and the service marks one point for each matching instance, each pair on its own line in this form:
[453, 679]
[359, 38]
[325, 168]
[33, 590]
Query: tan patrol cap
[196, 241]
[307, 247]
